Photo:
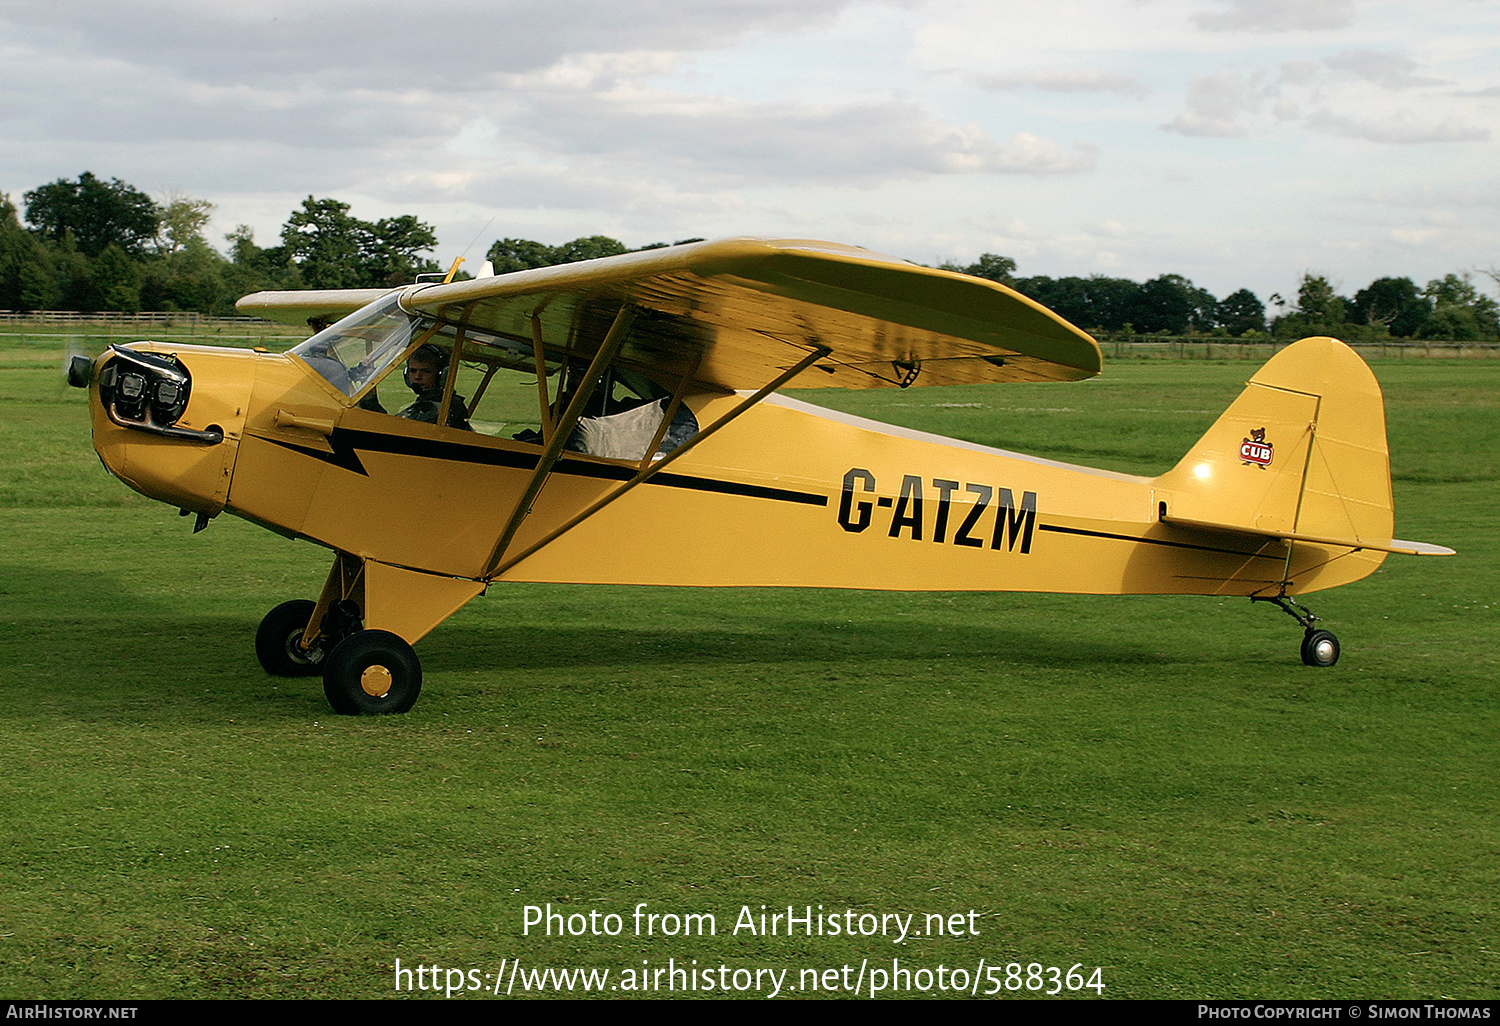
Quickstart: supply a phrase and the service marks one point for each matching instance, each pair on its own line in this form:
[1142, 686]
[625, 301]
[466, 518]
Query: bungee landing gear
[365, 672]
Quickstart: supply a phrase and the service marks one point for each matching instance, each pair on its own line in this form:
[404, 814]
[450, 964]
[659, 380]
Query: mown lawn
[1152, 786]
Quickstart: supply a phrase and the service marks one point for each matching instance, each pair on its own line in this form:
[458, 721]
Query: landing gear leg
[278, 642]
[1319, 647]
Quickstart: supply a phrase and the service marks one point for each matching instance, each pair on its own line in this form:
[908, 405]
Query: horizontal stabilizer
[1396, 545]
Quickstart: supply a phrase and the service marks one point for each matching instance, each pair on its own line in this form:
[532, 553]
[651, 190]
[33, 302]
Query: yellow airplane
[616, 421]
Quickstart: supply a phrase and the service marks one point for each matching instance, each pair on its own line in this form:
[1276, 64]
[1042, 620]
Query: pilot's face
[422, 373]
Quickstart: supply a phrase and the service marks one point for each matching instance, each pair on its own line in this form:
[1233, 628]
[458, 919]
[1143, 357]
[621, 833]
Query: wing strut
[453, 360]
[541, 375]
[498, 568]
[563, 428]
[672, 407]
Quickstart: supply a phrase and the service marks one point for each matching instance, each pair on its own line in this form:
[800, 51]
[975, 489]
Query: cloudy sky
[1238, 142]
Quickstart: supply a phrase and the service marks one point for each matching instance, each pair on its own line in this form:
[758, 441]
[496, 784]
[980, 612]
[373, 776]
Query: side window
[626, 417]
[501, 400]
[404, 365]
[425, 374]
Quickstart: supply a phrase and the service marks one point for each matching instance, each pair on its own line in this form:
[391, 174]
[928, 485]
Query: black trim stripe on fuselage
[1157, 541]
[347, 443]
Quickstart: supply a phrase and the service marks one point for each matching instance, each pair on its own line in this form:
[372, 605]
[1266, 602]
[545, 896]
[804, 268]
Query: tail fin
[1301, 456]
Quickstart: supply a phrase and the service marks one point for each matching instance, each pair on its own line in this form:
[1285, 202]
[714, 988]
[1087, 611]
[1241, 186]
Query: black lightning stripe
[347, 444]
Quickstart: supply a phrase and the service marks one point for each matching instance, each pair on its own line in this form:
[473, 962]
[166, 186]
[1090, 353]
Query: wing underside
[734, 314]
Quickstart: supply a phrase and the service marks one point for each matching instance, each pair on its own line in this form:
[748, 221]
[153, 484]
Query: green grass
[1155, 786]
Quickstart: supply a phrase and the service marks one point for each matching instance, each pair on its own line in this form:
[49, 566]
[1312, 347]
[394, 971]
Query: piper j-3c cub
[653, 449]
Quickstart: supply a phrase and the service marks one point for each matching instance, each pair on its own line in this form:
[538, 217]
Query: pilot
[426, 372]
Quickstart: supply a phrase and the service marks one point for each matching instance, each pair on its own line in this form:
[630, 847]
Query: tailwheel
[372, 672]
[278, 641]
[1320, 648]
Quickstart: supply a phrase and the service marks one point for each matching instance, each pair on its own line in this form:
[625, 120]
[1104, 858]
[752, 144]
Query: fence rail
[55, 326]
[1189, 347]
[73, 317]
[1183, 347]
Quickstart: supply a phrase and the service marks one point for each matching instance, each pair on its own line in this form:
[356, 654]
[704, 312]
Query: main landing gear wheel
[1319, 648]
[278, 641]
[372, 672]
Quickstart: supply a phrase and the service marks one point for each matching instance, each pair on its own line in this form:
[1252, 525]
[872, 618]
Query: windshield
[353, 351]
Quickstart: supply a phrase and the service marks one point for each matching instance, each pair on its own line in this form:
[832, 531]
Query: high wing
[735, 313]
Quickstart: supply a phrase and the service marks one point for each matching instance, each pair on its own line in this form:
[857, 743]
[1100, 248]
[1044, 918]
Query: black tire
[1320, 648]
[278, 641]
[363, 664]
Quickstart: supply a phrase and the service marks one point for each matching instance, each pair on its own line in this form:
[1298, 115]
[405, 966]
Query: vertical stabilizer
[1300, 455]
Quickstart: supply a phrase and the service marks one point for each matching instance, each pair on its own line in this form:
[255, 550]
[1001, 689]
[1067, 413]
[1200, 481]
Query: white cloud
[378, 43]
[1278, 15]
[1386, 69]
[1057, 81]
[735, 142]
[1216, 104]
[1402, 127]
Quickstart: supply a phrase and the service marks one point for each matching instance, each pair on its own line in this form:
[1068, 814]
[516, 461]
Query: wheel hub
[296, 653]
[376, 681]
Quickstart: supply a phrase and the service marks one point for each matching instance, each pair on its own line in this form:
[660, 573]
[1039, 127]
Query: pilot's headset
[430, 353]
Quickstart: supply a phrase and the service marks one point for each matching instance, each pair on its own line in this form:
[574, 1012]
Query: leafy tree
[334, 250]
[1096, 302]
[73, 272]
[182, 220]
[39, 287]
[117, 279]
[523, 254]
[1172, 304]
[18, 251]
[1393, 303]
[1320, 311]
[389, 250]
[94, 214]
[589, 248]
[1317, 301]
[1459, 312]
[251, 268]
[520, 255]
[324, 241]
[242, 247]
[1240, 312]
[992, 266]
[1453, 322]
[193, 278]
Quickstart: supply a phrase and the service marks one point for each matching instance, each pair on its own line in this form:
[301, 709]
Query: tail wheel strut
[1319, 647]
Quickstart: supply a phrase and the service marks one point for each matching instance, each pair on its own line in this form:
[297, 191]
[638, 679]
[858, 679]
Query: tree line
[1450, 307]
[89, 245]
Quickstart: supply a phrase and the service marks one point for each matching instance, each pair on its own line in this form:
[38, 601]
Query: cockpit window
[491, 382]
[355, 350]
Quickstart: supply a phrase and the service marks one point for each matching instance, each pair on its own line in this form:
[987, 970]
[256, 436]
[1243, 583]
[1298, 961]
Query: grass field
[1152, 786]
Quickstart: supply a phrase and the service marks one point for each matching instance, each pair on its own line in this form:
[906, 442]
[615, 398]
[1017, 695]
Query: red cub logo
[1255, 450]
